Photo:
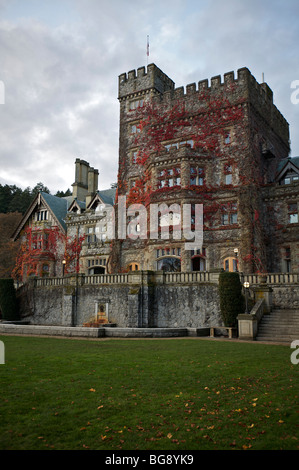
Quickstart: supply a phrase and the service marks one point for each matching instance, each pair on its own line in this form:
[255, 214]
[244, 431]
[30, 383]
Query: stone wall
[132, 300]
[143, 299]
[191, 306]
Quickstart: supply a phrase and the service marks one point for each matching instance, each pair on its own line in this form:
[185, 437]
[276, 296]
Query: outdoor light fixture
[246, 285]
[236, 251]
[63, 266]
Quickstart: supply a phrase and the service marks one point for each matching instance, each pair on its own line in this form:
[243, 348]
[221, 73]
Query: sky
[60, 61]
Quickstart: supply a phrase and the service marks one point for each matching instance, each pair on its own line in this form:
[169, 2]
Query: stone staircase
[280, 326]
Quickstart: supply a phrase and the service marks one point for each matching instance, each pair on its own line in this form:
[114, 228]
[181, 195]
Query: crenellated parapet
[238, 89]
[140, 82]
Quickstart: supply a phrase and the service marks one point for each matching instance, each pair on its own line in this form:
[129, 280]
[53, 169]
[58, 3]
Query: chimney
[80, 186]
[92, 184]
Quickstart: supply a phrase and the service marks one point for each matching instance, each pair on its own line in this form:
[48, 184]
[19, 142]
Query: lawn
[154, 394]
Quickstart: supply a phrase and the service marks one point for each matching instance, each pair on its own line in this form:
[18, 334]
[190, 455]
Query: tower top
[141, 80]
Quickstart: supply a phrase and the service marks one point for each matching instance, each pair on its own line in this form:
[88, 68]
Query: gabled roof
[286, 165]
[80, 205]
[57, 206]
[106, 196]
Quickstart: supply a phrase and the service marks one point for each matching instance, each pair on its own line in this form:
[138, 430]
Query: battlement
[237, 89]
[142, 81]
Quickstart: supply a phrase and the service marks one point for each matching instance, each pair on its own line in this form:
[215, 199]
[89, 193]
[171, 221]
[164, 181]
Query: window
[135, 128]
[230, 264]
[135, 104]
[293, 213]
[290, 178]
[168, 251]
[228, 174]
[169, 264]
[196, 176]
[134, 266]
[96, 262]
[229, 215]
[288, 259]
[40, 241]
[134, 156]
[41, 215]
[169, 177]
[45, 270]
[227, 138]
[176, 145]
[91, 236]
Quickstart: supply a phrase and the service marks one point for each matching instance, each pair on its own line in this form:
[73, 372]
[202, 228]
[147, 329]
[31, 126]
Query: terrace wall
[140, 299]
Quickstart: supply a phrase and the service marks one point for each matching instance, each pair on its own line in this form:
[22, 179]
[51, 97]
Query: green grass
[147, 394]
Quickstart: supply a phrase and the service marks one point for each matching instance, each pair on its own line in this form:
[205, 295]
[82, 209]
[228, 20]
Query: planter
[262, 278]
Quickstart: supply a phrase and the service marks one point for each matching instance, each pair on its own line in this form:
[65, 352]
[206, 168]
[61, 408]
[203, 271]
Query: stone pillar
[68, 306]
[263, 291]
[247, 326]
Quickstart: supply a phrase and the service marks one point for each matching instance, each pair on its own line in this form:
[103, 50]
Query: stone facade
[223, 145]
[217, 144]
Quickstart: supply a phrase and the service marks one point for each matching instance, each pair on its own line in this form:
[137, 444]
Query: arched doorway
[169, 264]
[198, 263]
[96, 270]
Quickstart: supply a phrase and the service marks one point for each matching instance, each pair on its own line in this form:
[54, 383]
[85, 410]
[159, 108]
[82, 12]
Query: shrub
[231, 298]
[8, 300]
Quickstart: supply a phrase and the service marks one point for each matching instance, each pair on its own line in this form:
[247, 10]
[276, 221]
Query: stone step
[279, 326]
[277, 339]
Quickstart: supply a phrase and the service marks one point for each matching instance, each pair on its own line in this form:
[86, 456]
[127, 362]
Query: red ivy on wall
[40, 247]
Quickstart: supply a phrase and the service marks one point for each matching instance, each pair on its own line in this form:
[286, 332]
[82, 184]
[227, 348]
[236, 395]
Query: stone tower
[216, 144]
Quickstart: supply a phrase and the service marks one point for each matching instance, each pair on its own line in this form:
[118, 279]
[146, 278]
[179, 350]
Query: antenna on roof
[263, 78]
[147, 50]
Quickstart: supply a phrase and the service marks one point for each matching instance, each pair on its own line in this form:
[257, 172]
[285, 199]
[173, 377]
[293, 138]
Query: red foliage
[41, 246]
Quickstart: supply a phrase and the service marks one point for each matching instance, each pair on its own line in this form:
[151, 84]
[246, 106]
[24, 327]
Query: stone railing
[160, 277]
[134, 277]
[271, 278]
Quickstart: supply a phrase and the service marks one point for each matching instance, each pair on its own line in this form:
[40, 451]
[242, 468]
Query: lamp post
[246, 285]
[236, 252]
[63, 267]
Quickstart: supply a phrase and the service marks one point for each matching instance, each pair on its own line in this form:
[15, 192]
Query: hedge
[231, 298]
[8, 301]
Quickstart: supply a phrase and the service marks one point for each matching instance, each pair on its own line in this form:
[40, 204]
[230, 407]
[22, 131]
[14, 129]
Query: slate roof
[283, 163]
[108, 196]
[58, 205]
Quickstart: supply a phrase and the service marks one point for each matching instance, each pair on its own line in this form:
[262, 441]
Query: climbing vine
[205, 125]
[40, 247]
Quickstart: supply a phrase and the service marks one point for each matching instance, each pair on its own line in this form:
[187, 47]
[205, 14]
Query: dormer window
[290, 179]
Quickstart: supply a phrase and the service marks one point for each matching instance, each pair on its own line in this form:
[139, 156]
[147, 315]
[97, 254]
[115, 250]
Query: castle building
[221, 146]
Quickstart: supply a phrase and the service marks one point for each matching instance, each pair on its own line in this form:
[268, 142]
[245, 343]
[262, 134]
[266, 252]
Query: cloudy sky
[60, 61]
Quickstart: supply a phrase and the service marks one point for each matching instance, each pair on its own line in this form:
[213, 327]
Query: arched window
[45, 270]
[169, 264]
[133, 266]
[230, 264]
